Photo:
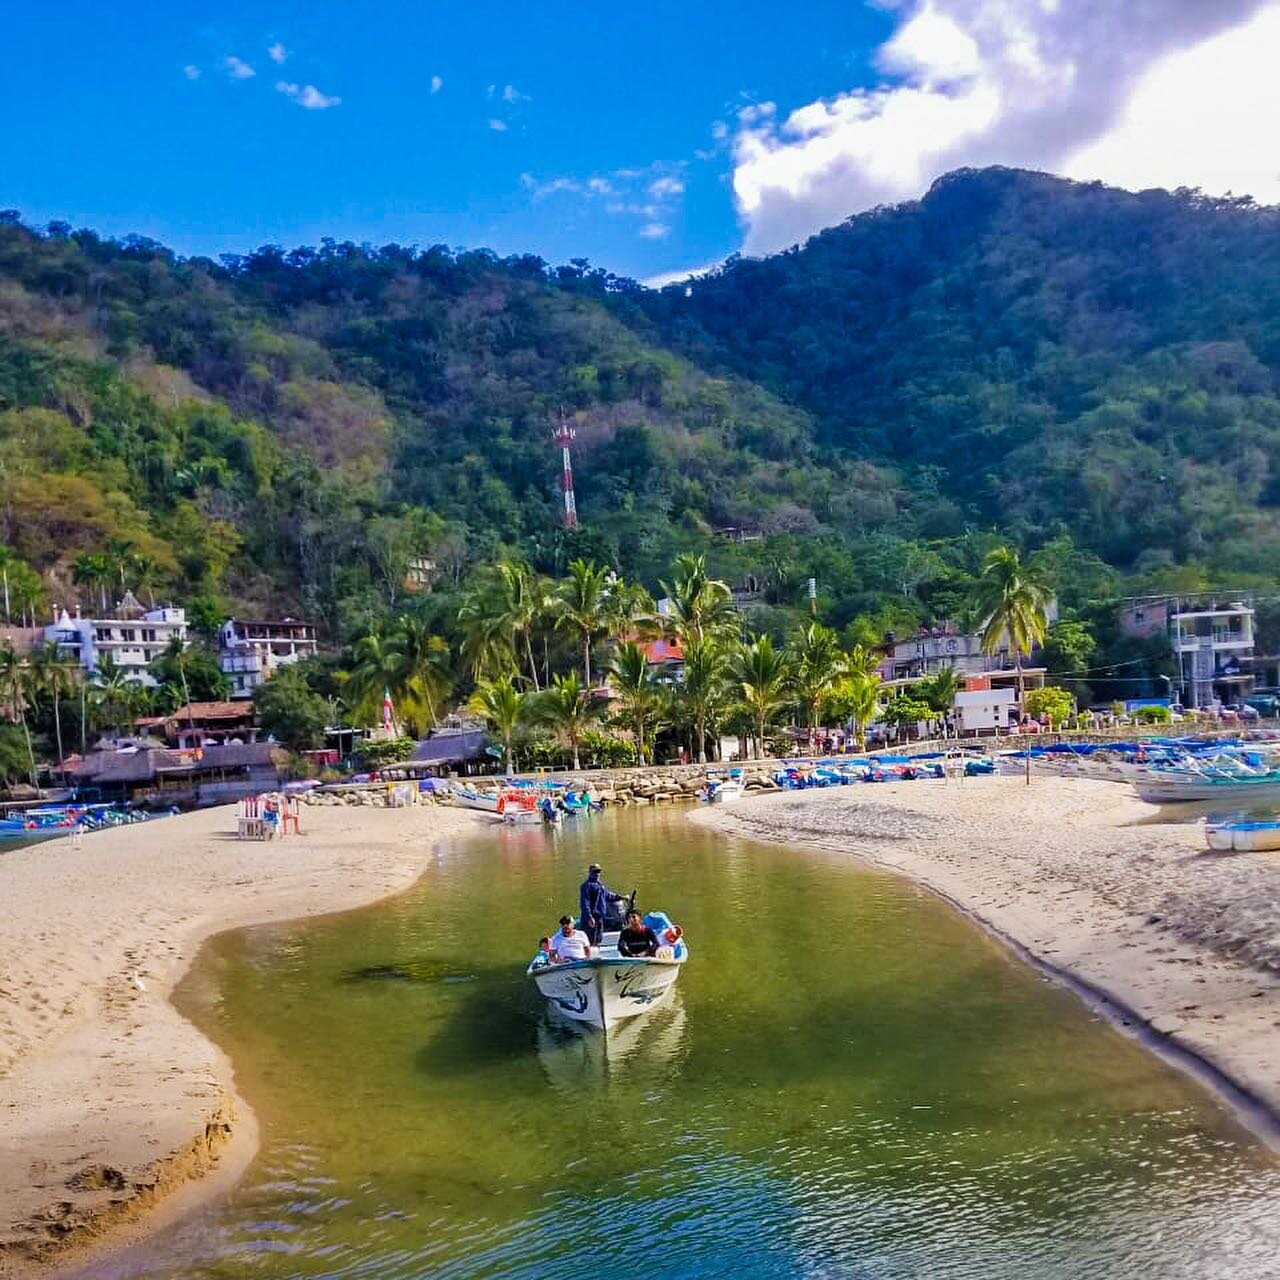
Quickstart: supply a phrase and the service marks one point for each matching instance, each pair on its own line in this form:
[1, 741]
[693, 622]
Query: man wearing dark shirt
[636, 938]
[594, 897]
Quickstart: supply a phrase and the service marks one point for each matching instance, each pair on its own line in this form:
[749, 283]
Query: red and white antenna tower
[564, 435]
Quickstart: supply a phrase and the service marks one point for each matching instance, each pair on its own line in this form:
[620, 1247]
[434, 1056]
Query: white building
[249, 652]
[134, 638]
[985, 710]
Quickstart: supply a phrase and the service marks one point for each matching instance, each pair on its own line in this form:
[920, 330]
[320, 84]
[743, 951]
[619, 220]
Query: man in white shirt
[569, 943]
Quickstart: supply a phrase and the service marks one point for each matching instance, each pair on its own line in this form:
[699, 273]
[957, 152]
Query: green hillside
[1044, 353]
[1069, 366]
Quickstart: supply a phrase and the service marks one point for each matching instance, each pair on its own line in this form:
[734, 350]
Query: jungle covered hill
[1089, 373]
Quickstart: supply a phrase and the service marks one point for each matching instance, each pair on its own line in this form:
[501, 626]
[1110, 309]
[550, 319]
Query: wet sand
[1182, 945]
[114, 1110]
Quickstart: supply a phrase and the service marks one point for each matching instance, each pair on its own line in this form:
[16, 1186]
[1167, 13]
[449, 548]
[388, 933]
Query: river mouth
[851, 1080]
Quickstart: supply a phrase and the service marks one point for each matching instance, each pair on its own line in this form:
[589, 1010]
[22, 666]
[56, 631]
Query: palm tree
[939, 690]
[568, 707]
[637, 689]
[763, 674]
[861, 700]
[8, 559]
[375, 667]
[15, 686]
[705, 688]
[55, 675]
[419, 677]
[114, 683]
[501, 615]
[701, 606]
[146, 573]
[1011, 602]
[92, 569]
[119, 557]
[501, 706]
[819, 665]
[862, 661]
[583, 604]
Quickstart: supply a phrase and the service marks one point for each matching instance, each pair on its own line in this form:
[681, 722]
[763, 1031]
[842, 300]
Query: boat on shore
[609, 988]
[1186, 786]
[723, 790]
[1243, 836]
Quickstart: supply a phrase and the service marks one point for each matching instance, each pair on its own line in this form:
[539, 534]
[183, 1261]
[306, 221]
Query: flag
[387, 710]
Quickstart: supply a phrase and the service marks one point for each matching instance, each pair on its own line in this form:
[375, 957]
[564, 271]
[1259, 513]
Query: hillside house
[251, 650]
[133, 636]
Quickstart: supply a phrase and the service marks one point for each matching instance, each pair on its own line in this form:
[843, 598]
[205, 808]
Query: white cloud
[511, 94]
[668, 186]
[1093, 87]
[655, 231]
[664, 278]
[436, 84]
[191, 71]
[1168, 136]
[600, 186]
[307, 96]
[498, 126]
[237, 69]
[277, 53]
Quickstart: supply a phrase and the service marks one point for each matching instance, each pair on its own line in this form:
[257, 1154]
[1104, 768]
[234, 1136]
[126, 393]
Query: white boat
[724, 790]
[1234, 791]
[466, 798]
[608, 988]
[1243, 837]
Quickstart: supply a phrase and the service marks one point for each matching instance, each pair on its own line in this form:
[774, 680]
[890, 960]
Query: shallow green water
[852, 1082]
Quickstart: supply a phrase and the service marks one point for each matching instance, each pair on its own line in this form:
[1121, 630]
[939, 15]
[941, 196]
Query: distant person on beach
[594, 897]
[636, 938]
[569, 943]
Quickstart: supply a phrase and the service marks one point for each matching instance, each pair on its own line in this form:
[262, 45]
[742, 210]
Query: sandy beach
[114, 1106]
[117, 1113]
[1085, 880]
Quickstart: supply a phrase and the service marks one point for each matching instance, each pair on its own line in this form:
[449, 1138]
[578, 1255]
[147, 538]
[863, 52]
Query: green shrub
[1153, 715]
[604, 751]
[374, 754]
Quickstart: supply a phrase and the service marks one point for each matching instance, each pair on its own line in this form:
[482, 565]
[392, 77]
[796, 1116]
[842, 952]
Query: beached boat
[466, 798]
[1185, 786]
[609, 988]
[1243, 837]
[724, 790]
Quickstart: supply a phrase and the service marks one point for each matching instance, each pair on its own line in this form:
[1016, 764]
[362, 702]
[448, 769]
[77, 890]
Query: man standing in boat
[594, 897]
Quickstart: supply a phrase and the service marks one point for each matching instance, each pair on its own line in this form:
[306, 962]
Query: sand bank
[109, 1100]
[1092, 884]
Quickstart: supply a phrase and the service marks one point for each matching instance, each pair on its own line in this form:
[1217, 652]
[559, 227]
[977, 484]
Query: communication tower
[564, 435]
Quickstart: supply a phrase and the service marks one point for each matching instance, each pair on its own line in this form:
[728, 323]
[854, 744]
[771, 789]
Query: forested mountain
[1062, 364]
[1040, 351]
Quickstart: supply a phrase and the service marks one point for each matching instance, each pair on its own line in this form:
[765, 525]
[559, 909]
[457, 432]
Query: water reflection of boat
[574, 1055]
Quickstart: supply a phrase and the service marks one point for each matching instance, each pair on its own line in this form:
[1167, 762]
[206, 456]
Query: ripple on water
[852, 1082]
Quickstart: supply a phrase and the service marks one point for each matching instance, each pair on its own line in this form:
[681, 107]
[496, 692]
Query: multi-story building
[249, 651]
[1211, 638]
[133, 637]
[933, 649]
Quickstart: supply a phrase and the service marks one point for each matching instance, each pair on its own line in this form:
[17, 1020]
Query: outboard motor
[616, 914]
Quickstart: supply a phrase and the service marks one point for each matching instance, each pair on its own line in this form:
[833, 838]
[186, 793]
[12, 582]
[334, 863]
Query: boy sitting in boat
[636, 938]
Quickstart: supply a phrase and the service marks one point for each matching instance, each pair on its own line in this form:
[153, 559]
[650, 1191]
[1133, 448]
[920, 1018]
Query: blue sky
[651, 139]
[107, 128]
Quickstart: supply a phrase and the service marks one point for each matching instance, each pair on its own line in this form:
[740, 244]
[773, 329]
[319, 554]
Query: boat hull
[602, 992]
[1234, 794]
[1243, 837]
